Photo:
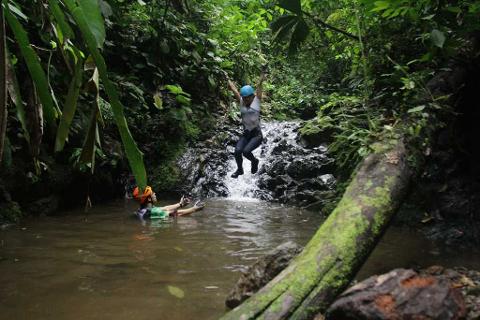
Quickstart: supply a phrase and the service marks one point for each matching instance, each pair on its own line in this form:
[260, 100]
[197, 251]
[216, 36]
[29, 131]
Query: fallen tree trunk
[341, 245]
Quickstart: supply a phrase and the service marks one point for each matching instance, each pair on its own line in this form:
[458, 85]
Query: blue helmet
[246, 91]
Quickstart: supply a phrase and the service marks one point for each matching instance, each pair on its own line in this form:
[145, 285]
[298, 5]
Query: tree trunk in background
[341, 245]
[3, 84]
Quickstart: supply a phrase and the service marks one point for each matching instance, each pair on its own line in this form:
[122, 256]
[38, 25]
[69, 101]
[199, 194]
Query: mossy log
[344, 241]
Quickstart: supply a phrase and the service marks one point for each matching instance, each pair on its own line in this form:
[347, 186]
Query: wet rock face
[261, 272]
[203, 171]
[288, 172]
[400, 294]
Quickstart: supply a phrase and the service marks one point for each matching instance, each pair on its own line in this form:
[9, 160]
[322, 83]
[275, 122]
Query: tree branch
[321, 24]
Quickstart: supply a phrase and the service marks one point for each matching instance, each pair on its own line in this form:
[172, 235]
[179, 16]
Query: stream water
[107, 265]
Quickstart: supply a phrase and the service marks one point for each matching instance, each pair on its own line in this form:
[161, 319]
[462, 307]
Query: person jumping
[252, 137]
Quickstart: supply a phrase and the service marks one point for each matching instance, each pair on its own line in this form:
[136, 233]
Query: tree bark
[341, 245]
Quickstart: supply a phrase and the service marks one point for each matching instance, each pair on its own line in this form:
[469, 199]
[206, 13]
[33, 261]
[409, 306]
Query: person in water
[252, 137]
[147, 209]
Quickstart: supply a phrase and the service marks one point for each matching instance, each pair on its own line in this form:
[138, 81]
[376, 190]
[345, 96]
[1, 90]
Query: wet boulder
[261, 272]
[309, 166]
[400, 294]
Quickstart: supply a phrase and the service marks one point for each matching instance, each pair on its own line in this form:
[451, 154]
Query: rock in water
[261, 272]
[400, 294]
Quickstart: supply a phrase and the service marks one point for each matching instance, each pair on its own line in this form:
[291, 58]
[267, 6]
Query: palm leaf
[135, 157]
[33, 64]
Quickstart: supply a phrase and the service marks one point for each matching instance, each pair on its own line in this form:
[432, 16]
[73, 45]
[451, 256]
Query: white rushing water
[245, 186]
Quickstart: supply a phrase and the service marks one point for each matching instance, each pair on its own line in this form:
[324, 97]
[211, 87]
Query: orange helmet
[142, 198]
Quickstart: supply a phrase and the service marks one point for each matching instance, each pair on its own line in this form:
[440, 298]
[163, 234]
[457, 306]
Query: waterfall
[288, 171]
[275, 134]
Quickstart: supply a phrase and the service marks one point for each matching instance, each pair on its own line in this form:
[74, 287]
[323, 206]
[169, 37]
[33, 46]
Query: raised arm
[259, 91]
[234, 89]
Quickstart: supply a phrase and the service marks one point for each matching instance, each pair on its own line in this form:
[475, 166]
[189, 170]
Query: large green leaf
[16, 97]
[16, 11]
[291, 5]
[60, 18]
[33, 64]
[135, 157]
[93, 18]
[89, 146]
[70, 107]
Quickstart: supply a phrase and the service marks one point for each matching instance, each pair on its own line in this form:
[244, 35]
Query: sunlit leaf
[157, 100]
[381, 5]
[438, 38]
[174, 89]
[183, 100]
[15, 10]
[416, 109]
[176, 292]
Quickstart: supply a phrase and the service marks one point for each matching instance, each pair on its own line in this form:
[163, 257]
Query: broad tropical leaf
[94, 19]
[70, 107]
[33, 64]
[90, 144]
[135, 157]
[16, 97]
